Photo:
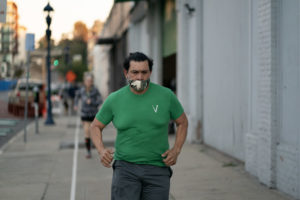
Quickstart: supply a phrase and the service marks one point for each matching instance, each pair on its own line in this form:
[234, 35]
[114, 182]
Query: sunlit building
[9, 41]
[20, 58]
[93, 35]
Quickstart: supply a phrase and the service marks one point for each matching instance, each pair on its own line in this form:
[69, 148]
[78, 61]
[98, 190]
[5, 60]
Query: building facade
[237, 74]
[242, 83]
[93, 33]
[9, 41]
[20, 58]
[111, 49]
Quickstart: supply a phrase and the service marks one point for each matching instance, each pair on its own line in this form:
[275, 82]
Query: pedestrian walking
[90, 101]
[71, 94]
[63, 93]
[141, 112]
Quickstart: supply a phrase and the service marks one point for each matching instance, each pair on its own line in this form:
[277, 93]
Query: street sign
[3, 5]
[29, 44]
[70, 76]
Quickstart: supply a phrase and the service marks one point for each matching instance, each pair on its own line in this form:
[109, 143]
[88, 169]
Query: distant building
[9, 41]
[93, 35]
[38, 68]
[111, 50]
[20, 58]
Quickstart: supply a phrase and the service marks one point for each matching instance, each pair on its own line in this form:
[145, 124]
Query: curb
[17, 136]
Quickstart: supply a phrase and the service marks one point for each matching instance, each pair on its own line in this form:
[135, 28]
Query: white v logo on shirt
[155, 109]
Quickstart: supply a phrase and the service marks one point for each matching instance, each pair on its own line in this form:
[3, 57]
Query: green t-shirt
[141, 122]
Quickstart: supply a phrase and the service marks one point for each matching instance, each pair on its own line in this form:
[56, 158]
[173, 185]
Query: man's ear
[125, 73]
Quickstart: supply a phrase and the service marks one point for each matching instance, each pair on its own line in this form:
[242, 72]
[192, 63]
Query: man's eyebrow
[134, 70]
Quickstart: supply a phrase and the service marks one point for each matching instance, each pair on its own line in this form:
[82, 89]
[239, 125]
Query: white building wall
[182, 70]
[226, 75]
[251, 140]
[155, 48]
[101, 69]
[189, 53]
[262, 138]
[288, 157]
[248, 61]
[139, 37]
[145, 36]
[273, 144]
[267, 105]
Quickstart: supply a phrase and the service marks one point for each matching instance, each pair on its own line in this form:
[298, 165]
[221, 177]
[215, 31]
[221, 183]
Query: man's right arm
[106, 155]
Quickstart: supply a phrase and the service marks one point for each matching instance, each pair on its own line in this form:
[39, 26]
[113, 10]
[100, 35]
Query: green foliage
[79, 68]
[79, 47]
[18, 73]
[71, 48]
[61, 68]
[43, 44]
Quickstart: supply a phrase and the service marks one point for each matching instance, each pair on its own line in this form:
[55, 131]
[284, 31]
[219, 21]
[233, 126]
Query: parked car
[16, 97]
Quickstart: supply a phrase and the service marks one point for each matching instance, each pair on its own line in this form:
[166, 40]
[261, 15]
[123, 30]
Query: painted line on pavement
[75, 155]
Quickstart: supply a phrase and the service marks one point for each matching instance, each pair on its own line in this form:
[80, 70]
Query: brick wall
[261, 145]
[287, 169]
[251, 153]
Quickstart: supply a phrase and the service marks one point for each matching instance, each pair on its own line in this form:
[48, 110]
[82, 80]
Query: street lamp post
[49, 121]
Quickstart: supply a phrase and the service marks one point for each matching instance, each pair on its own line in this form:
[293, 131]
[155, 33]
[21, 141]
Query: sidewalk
[205, 174]
[42, 168]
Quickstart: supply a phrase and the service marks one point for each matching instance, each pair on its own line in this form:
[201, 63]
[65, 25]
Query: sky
[66, 13]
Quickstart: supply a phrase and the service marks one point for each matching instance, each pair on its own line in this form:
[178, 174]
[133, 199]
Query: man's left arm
[172, 154]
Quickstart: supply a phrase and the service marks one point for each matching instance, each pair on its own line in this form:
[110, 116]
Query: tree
[96, 28]
[78, 68]
[80, 31]
[43, 43]
[72, 49]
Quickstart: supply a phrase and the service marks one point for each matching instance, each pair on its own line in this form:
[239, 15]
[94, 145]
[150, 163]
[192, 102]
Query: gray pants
[140, 182]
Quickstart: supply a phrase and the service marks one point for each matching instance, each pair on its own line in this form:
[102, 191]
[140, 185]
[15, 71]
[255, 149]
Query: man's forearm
[180, 136]
[96, 134]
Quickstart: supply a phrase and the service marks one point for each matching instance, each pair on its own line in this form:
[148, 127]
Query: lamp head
[48, 8]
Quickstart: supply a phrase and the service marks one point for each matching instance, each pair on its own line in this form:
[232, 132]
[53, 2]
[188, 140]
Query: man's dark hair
[139, 57]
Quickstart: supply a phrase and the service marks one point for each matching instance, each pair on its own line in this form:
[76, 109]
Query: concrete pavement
[42, 169]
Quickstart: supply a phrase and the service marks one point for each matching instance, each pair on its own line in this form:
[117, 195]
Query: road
[10, 125]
